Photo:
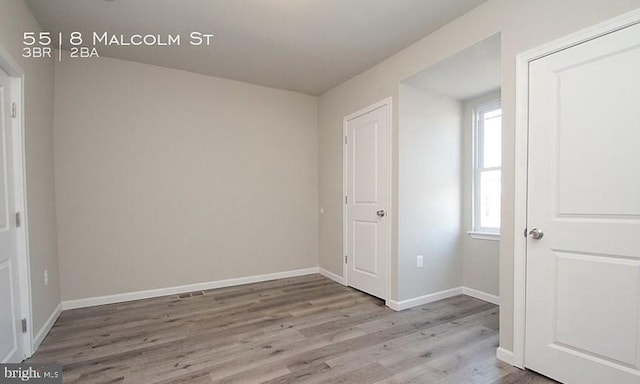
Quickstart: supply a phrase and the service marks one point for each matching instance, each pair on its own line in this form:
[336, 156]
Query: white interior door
[10, 326]
[367, 198]
[583, 275]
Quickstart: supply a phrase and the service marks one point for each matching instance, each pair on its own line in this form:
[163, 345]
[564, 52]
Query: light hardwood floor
[300, 330]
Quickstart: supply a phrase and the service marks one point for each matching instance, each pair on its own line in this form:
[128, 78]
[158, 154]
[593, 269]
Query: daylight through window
[487, 167]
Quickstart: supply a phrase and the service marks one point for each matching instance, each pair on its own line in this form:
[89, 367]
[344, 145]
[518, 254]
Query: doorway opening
[15, 296]
[367, 193]
[449, 181]
[578, 262]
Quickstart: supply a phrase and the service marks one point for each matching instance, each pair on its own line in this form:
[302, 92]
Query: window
[487, 168]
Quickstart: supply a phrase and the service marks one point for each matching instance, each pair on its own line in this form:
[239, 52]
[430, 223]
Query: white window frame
[477, 231]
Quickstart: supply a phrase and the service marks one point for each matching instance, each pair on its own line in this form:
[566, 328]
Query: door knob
[536, 233]
[381, 213]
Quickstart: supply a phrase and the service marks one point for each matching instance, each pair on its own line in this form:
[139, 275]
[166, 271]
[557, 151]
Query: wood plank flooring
[299, 330]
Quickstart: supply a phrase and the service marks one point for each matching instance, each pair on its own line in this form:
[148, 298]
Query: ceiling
[306, 46]
[465, 75]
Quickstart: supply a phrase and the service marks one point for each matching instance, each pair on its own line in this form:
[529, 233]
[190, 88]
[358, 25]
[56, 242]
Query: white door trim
[11, 67]
[521, 162]
[380, 104]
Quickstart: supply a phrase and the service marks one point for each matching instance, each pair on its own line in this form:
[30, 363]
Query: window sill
[484, 235]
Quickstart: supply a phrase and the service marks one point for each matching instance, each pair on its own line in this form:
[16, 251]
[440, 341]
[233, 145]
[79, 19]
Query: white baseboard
[421, 300]
[332, 276]
[504, 355]
[42, 333]
[481, 295]
[147, 294]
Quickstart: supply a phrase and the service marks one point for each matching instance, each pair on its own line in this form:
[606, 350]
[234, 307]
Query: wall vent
[190, 294]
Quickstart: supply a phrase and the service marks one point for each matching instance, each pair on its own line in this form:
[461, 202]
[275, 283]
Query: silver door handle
[381, 213]
[536, 233]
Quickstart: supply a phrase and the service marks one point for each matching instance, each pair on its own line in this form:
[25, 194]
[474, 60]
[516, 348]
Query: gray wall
[481, 258]
[167, 178]
[524, 24]
[429, 191]
[15, 19]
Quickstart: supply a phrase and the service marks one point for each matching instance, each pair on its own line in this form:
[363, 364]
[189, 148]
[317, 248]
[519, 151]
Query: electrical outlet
[419, 260]
[46, 277]
[322, 211]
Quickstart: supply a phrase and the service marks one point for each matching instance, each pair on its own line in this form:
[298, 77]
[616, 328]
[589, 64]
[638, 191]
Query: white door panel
[583, 275]
[367, 178]
[11, 347]
[579, 325]
[364, 140]
[365, 247]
